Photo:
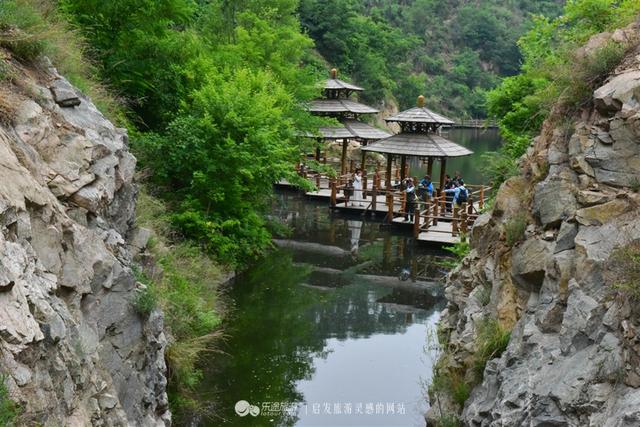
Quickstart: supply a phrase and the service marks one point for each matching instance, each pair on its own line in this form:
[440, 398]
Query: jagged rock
[566, 237]
[599, 214]
[107, 401]
[574, 354]
[622, 90]
[529, 263]
[64, 94]
[553, 202]
[510, 197]
[72, 347]
[590, 198]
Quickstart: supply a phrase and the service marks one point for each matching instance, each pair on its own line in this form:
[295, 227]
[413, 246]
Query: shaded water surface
[334, 328]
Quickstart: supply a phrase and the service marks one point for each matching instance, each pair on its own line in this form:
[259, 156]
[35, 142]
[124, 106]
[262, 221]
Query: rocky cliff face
[72, 348]
[574, 354]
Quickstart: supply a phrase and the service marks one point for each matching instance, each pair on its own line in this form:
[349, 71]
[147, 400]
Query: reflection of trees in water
[279, 326]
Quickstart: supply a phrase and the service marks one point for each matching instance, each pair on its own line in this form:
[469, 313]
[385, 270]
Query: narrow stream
[337, 327]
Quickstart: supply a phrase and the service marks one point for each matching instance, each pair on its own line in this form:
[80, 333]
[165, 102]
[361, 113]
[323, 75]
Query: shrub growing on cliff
[624, 270]
[514, 229]
[9, 411]
[491, 342]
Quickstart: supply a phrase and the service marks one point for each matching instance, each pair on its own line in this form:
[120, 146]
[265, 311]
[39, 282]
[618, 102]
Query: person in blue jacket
[460, 194]
[425, 188]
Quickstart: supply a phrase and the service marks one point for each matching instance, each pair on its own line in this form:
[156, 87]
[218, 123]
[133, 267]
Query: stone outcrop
[573, 355]
[73, 350]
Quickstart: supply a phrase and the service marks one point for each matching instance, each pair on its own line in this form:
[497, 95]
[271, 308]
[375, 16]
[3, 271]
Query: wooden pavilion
[418, 138]
[337, 103]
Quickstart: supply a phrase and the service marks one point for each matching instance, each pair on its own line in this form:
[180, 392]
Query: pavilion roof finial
[334, 73]
[420, 102]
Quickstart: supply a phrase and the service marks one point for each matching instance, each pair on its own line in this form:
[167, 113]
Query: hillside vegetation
[451, 51]
[555, 72]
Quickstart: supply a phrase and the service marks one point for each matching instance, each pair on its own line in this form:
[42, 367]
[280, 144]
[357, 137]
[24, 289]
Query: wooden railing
[475, 123]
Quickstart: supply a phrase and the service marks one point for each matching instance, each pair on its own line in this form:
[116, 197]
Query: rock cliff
[73, 350]
[574, 352]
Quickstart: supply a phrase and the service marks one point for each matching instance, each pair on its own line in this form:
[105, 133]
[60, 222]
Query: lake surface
[337, 326]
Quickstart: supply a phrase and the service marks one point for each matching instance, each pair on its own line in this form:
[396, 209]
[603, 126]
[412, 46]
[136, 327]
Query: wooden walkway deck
[434, 224]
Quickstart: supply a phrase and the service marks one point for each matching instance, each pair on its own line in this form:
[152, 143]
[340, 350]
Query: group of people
[455, 192]
[454, 189]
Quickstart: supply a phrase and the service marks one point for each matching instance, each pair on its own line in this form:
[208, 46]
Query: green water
[323, 332]
[477, 140]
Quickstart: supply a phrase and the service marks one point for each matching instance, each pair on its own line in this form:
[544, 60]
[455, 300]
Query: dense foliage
[555, 72]
[451, 51]
[216, 89]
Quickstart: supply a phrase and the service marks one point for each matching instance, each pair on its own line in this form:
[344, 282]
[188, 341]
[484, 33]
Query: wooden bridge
[435, 220]
[475, 123]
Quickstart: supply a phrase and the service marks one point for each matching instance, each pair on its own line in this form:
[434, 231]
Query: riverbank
[184, 282]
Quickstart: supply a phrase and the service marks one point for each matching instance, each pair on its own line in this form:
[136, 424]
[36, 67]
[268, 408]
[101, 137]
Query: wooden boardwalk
[434, 223]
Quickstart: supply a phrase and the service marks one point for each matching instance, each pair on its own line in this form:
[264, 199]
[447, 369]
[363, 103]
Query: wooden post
[318, 153]
[464, 221]
[324, 157]
[318, 181]
[454, 222]
[430, 167]
[389, 207]
[416, 222]
[333, 192]
[443, 171]
[436, 205]
[376, 179]
[363, 162]
[343, 160]
[374, 198]
[427, 207]
[387, 178]
[481, 203]
[403, 171]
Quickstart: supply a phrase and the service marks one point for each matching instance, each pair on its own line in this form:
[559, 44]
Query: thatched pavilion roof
[335, 106]
[352, 129]
[420, 115]
[418, 145]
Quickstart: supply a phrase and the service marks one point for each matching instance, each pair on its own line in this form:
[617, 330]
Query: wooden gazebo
[418, 138]
[337, 104]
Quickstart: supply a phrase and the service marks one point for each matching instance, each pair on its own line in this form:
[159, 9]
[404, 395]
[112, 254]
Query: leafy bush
[514, 229]
[459, 251]
[9, 411]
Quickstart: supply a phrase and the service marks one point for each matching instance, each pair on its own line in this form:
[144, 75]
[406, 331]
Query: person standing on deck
[410, 190]
[425, 188]
[357, 188]
[460, 194]
[449, 184]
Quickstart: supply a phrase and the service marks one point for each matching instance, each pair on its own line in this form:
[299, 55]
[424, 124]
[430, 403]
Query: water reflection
[326, 319]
